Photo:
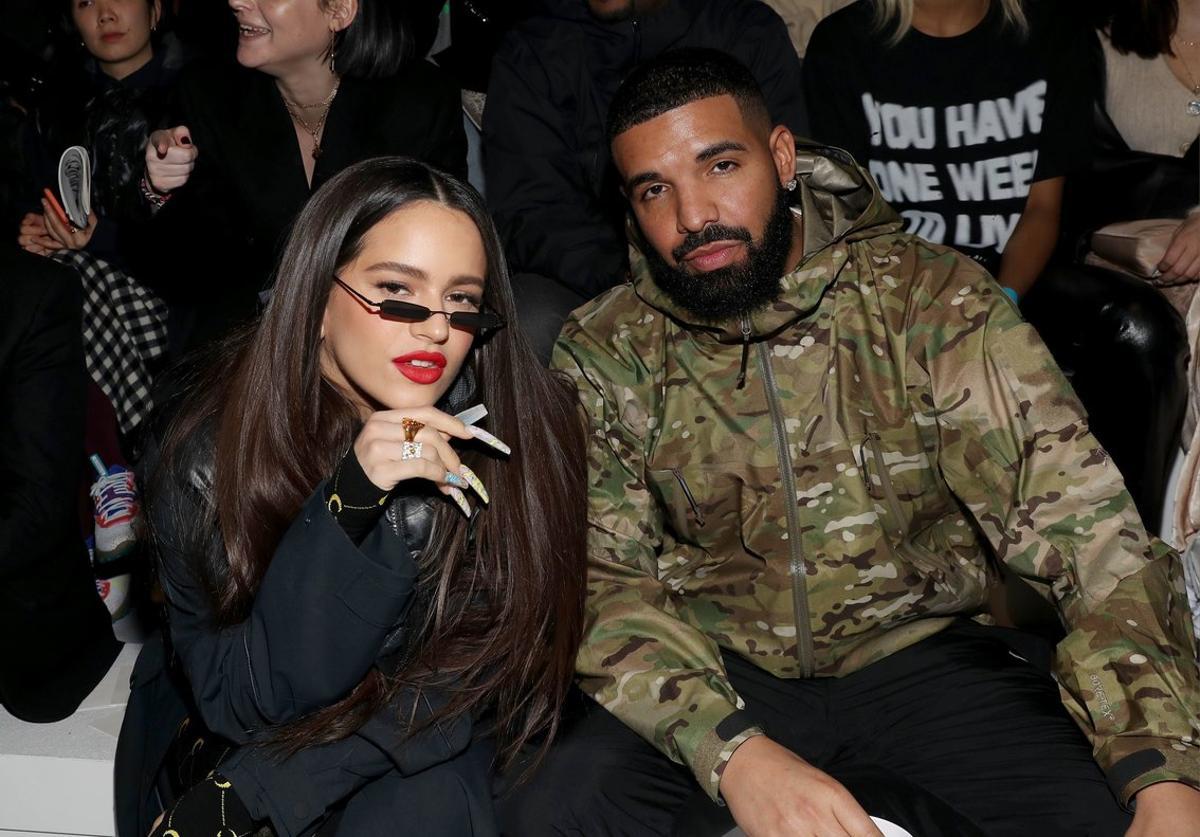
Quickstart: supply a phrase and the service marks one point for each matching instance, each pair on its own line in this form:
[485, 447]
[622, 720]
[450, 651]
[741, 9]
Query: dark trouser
[542, 306]
[953, 736]
[1124, 349]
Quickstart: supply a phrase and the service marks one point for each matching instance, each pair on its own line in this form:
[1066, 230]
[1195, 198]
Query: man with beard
[807, 428]
[550, 182]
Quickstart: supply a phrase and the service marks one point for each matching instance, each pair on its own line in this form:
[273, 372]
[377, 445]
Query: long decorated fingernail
[472, 414]
[488, 439]
[460, 500]
[475, 483]
[456, 480]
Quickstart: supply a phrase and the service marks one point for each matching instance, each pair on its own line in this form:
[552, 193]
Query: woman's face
[117, 32]
[426, 254]
[278, 36]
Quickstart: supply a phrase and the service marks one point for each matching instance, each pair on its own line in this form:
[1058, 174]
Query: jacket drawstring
[741, 378]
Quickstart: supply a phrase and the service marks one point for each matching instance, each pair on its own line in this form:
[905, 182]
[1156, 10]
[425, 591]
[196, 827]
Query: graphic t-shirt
[954, 130]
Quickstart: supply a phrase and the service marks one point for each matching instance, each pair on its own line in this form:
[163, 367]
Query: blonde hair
[899, 13]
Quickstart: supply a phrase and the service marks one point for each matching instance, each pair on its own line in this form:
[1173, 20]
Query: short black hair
[679, 77]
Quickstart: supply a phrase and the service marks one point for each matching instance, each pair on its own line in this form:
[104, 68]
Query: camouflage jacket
[816, 519]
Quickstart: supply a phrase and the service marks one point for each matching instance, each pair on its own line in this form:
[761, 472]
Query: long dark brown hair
[503, 610]
[1143, 27]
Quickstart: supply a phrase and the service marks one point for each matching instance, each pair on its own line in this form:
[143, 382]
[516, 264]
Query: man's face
[611, 11]
[705, 185]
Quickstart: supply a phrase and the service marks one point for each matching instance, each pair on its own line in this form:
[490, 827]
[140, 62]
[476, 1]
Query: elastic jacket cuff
[1178, 761]
[716, 747]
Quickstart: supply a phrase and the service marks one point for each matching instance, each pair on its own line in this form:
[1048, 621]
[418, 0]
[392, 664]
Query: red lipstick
[421, 367]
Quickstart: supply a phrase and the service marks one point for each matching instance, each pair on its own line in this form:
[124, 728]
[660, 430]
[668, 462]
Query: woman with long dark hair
[317, 86]
[371, 599]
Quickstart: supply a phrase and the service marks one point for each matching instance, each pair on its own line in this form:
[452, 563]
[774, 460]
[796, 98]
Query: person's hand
[34, 237]
[170, 158]
[381, 444]
[1182, 259]
[1165, 810]
[68, 236]
[772, 792]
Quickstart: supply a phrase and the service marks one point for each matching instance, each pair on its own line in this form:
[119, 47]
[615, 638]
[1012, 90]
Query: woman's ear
[342, 14]
[155, 14]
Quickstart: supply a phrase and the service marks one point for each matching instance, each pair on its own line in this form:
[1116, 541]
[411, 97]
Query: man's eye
[653, 191]
[724, 166]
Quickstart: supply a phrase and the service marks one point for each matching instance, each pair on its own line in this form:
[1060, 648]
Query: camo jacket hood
[896, 414]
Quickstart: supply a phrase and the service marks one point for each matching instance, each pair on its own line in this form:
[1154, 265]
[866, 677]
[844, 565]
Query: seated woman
[371, 599]
[109, 105]
[979, 161]
[318, 85]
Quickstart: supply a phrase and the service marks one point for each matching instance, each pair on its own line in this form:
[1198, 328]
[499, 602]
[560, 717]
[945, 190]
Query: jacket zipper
[687, 492]
[804, 640]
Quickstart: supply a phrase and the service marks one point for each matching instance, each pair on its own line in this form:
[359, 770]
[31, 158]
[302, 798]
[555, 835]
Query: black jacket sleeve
[552, 223]
[297, 792]
[319, 618]
[763, 44]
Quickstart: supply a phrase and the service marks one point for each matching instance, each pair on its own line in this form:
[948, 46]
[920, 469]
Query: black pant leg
[962, 717]
[600, 779]
[1124, 349]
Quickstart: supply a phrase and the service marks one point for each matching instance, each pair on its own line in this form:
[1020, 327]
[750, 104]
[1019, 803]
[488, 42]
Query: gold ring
[411, 428]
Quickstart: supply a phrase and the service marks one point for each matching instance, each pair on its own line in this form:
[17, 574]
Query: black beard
[729, 293]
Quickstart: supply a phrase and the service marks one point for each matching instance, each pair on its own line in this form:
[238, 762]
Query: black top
[955, 130]
[217, 239]
[550, 184]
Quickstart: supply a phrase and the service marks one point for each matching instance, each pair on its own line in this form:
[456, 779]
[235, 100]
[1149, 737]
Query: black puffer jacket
[550, 184]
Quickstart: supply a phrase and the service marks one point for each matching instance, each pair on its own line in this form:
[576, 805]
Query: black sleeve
[297, 792]
[765, 47]
[834, 105]
[551, 223]
[1065, 144]
[44, 390]
[181, 245]
[318, 622]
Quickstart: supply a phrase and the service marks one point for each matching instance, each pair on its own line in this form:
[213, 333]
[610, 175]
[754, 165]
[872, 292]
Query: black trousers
[1124, 350]
[955, 736]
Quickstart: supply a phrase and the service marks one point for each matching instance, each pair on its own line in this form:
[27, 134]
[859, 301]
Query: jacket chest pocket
[705, 510]
[899, 471]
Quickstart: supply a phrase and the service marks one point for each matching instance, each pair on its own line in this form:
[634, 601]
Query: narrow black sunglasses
[394, 309]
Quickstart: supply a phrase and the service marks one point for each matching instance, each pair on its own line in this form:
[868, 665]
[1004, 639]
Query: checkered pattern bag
[124, 329]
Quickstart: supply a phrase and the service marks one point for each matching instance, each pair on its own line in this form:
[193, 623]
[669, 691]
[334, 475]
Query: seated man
[549, 178]
[806, 428]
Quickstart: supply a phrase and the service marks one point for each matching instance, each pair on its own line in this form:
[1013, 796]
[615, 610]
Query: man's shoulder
[617, 324]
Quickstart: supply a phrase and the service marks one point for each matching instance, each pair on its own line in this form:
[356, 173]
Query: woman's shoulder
[416, 82]
[850, 26]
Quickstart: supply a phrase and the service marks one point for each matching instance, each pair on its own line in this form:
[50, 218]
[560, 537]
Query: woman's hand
[68, 236]
[380, 448]
[34, 237]
[170, 158]
[1182, 259]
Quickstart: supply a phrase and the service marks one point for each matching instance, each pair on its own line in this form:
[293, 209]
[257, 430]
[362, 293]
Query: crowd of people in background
[361, 607]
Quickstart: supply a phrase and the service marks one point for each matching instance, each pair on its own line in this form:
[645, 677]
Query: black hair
[378, 42]
[1143, 27]
[680, 77]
